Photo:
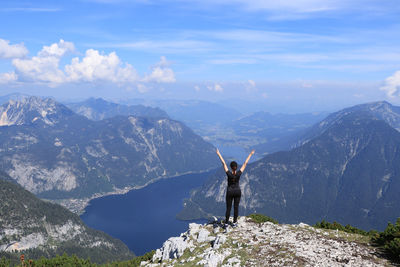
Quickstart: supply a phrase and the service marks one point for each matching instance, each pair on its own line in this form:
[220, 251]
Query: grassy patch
[187, 254]
[260, 218]
[244, 256]
[348, 228]
[349, 237]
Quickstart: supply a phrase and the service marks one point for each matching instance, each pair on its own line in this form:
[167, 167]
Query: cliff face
[38, 228]
[348, 173]
[57, 154]
[381, 110]
[265, 244]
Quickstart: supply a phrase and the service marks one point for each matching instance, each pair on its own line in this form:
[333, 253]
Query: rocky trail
[265, 244]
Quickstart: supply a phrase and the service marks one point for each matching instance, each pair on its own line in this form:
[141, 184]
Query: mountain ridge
[382, 110]
[65, 155]
[316, 180]
[37, 228]
[99, 109]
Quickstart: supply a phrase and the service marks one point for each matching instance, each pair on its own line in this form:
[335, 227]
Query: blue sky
[293, 55]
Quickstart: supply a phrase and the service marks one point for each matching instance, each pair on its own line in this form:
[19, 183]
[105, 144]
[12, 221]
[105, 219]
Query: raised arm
[222, 161]
[247, 160]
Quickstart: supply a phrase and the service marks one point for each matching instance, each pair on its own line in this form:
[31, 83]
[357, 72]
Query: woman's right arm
[247, 160]
[222, 160]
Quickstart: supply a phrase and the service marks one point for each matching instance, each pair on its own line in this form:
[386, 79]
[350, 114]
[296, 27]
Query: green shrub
[133, 262]
[389, 240]
[63, 260]
[4, 262]
[260, 218]
[348, 228]
[73, 260]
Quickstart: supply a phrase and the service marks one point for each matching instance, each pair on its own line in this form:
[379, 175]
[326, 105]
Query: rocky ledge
[265, 244]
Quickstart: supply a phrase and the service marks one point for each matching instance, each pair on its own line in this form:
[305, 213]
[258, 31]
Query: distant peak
[96, 100]
[30, 109]
[376, 104]
[31, 100]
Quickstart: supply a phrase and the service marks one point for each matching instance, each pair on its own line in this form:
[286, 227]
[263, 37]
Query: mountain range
[99, 109]
[268, 133]
[36, 228]
[57, 154]
[346, 169]
[225, 126]
[220, 124]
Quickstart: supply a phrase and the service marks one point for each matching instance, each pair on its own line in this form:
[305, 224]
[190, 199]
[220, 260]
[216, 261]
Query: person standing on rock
[233, 192]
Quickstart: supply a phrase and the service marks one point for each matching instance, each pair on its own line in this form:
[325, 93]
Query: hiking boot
[225, 224]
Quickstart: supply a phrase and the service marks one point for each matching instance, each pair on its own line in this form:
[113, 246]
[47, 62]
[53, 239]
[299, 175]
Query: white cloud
[45, 66]
[250, 86]
[179, 45]
[216, 87]
[95, 66]
[8, 77]
[392, 85]
[163, 62]
[142, 88]
[197, 88]
[302, 9]
[298, 6]
[57, 50]
[12, 51]
[161, 73]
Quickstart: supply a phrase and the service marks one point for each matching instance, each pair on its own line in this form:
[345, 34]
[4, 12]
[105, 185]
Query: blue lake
[144, 218]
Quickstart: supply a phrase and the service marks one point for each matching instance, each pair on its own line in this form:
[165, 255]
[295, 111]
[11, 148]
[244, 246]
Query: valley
[120, 121]
[342, 168]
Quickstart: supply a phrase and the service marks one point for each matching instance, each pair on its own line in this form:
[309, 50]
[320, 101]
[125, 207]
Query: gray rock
[173, 248]
[212, 259]
[203, 235]
[267, 244]
[219, 240]
[194, 228]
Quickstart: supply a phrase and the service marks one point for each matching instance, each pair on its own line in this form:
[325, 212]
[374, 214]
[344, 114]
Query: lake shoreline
[144, 218]
[78, 205]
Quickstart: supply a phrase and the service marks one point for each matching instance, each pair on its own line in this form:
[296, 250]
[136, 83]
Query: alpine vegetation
[265, 244]
[37, 228]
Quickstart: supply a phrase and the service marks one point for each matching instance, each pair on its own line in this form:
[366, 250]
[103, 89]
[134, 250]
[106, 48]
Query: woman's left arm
[222, 160]
[247, 160]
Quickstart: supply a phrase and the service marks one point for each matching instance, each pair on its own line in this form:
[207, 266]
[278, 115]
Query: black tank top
[233, 180]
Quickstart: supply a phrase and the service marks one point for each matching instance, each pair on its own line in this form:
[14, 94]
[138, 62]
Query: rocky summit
[265, 244]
